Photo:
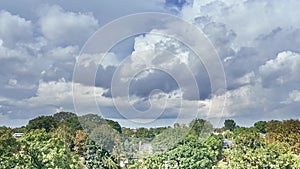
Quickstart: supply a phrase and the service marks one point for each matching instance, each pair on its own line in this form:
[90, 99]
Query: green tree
[229, 124]
[68, 118]
[62, 116]
[91, 121]
[261, 126]
[73, 123]
[287, 131]
[144, 133]
[127, 132]
[201, 128]
[42, 150]
[9, 147]
[169, 138]
[43, 122]
[251, 151]
[115, 125]
[106, 137]
[79, 142]
[20, 129]
[189, 153]
[238, 130]
[66, 135]
[97, 157]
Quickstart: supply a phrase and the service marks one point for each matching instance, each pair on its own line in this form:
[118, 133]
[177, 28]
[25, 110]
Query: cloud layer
[257, 41]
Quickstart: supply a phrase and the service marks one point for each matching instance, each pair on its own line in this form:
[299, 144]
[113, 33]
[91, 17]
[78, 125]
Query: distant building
[18, 135]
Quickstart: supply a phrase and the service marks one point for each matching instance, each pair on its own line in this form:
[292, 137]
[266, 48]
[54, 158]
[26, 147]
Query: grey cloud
[14, 29]
[62, 27]
[250, 36]
[155, 80]
[281, 71]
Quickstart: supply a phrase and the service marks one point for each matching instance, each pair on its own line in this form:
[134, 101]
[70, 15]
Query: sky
[53, 59]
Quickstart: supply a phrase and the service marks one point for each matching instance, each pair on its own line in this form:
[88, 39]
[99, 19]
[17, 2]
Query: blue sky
[257, 43]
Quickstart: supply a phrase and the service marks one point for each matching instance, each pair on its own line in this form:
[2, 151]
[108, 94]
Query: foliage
[238, 130]
[115, 125]
[229, 124]
[19, 129]
[129, 148]
[169, 138]
[189, 153]
[201, 128]
[96, 157]
[79, 142]
[106, 137]
[143, 133]
[43, 122]
[73, 123]
[158, 130]
[127, 132]
[42, 150]
[228, 134]
[58, 141]
[90, 121]
[287, 131]
[261, 126]
[65, 134]
[9, 147]
[62, 116]
[251, 151]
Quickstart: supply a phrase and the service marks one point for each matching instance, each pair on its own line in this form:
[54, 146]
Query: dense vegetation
[66, 141]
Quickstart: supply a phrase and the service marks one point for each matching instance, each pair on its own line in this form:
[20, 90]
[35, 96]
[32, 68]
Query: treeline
[58, 141]
[65, 140]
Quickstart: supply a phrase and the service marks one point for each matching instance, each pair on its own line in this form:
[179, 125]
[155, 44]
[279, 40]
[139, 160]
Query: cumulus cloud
[14, 29]
[270, 93]
[294, 96]
[260, 57]
[62, 27]
[282, 70]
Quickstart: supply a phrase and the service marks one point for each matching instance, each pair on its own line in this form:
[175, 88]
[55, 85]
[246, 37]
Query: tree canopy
[229, 124]
[43, 122]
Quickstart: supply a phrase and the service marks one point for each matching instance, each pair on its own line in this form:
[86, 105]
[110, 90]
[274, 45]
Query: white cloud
[90, 60]
[246, 79]
[294, 96]
[247, 34]
[59, 94]
[282, 70]
[14, 29]
[241, 16]
[62, 27]
[63, 53]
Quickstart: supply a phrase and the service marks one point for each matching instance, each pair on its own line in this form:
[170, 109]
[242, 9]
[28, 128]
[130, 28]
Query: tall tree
[115, 125]
[201, 128]
[43, 122]
[8, 148]
[251, 151]
[189, 153]
[286, 131]
[261, 126]
[79, 142]
[144, 133]
[106, 137]
[62, 116]
[229, 124]
[44, 150]
[169, 138]
[97, 157]
[91, 121]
